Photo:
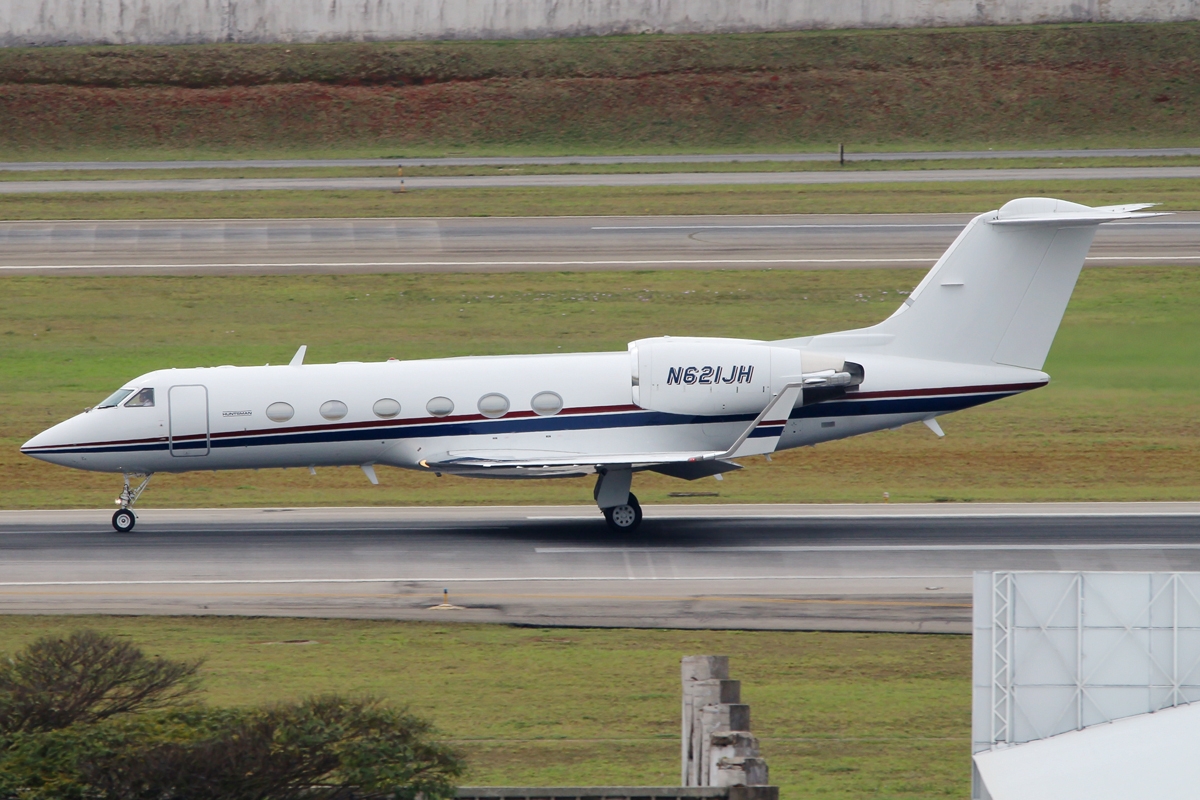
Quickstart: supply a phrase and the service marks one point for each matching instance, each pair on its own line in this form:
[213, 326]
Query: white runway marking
[570, 579]
[607, 263]
[869, 548]
[612, 262]
[850, 226]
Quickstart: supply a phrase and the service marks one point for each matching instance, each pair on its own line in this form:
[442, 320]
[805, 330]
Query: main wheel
[124, 520]
[626, 517]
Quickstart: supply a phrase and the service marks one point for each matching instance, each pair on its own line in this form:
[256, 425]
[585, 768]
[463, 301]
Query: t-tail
[998, 293]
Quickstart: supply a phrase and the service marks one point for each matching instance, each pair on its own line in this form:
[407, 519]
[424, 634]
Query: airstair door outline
[189, 434]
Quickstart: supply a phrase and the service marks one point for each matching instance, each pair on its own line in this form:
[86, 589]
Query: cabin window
[440, 406]
[493, 405]
[143, 399]
[386, 408]
[546, 404]
[280, 412]
[115, 398]
[333, 409]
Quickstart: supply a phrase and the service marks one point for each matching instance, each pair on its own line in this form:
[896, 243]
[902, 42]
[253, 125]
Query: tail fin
[998, 293]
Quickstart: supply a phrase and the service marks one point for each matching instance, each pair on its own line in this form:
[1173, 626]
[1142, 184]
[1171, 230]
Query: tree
[88, 717]
[324, 748]
[84, 678]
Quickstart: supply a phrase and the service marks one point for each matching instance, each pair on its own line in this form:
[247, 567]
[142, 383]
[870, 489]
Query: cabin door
[189, 434]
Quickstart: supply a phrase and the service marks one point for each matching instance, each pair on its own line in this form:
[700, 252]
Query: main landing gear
[624, 517]
[124, 520]
[621, 509]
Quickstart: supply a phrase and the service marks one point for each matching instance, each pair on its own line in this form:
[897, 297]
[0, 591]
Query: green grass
[1119, 421]
[840, 715]
[1174, 194]
[1064, 85]
[195, 173]
[414, 62]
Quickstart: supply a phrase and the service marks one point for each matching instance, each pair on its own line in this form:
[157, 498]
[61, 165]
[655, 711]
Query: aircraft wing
[486, 459]
[760, 437]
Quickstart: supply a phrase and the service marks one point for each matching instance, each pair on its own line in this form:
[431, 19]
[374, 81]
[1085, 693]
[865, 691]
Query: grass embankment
[1174, 194]
[1066, 85]
[840, 715]
[1121, 420]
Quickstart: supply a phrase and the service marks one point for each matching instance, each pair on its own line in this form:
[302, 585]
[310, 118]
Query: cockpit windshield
[143, 399]
[115, 398]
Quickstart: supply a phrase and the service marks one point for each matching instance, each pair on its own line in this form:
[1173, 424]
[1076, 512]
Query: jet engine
[710, 377]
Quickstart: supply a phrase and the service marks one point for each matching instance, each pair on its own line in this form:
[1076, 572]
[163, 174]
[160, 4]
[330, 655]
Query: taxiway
[461, 244]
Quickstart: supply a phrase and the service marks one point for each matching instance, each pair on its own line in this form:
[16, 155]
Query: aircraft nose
[48, 445]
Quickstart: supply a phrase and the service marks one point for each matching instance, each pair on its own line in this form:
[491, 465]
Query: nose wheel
[124, 520]
[625, 517]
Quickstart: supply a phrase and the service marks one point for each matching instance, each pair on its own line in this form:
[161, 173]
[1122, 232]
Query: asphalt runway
[464, 244]
[879, 567]
[626, 180]
[702, 158]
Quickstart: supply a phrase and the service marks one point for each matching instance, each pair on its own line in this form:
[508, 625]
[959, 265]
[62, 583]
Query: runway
[698, 158]
[461, 244]
[898, 568]
[624, 180]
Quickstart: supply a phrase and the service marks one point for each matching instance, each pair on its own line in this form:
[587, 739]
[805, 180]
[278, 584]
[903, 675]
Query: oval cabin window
[493, 405]
[440, 406]
[546, 404]
[386, 408]
[280, 412]
[333, 409]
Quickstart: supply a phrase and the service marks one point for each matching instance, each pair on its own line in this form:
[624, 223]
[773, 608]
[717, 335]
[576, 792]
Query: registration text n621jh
[709, 375]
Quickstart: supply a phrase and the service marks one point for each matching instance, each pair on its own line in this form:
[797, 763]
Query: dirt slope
[1099, 84]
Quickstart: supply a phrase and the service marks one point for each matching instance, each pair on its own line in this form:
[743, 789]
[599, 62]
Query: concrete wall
[54, 22]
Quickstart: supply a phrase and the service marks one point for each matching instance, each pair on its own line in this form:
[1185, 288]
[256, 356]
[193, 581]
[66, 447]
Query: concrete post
[734, 760]
[707, 693]
[696, 670]
[718, 720]
[718, 749]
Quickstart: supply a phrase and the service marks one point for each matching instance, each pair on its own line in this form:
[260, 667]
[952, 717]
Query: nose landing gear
[124, 520]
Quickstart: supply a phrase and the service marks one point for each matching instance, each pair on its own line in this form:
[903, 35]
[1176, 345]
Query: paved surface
[711, 158]
[608, 180]
[786, 567]
[536, 243]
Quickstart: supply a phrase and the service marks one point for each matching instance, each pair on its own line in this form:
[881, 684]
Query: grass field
[195, 173]
[841, 716]
[1120, 420]
[1173, 194]
[1075, 85]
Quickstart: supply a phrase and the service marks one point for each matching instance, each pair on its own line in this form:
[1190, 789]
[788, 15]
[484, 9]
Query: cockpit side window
[115, 398]
[143, 399]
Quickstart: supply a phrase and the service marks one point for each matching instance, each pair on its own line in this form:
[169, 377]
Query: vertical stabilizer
[999, 292]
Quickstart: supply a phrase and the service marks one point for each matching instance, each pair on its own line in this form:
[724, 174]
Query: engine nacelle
[710, 376]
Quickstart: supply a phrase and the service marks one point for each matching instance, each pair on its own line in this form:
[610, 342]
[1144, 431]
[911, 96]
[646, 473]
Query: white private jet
[976, 329]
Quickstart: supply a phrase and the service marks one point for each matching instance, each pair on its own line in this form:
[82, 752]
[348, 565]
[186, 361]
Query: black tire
[624, 518]
[123, 520]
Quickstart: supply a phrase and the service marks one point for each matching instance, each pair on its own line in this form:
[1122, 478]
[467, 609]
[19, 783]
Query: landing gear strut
[124, 520]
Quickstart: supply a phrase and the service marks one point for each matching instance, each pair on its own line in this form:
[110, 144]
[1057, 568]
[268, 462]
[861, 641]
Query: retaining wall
[62, 22]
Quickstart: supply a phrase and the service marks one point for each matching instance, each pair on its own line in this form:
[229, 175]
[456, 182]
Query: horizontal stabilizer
[1047, 210]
